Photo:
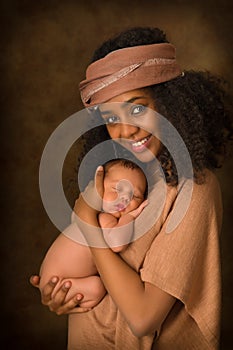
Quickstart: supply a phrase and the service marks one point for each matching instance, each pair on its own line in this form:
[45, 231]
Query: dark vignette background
[45, 48]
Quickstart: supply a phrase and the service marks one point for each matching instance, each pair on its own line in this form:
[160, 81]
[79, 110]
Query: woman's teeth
[141, 142]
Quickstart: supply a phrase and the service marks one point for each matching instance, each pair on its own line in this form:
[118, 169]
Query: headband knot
[128, 69]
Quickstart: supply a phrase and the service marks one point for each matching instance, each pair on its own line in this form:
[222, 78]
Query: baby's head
[125, 186]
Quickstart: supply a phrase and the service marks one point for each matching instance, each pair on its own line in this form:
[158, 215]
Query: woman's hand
[86, 210]
[89, 203]
[56, 303]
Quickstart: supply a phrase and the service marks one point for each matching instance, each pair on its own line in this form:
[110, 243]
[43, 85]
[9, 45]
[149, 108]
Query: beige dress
[186, 264]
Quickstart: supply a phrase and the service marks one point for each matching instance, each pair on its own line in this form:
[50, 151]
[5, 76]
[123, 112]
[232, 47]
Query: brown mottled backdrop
[46, 46]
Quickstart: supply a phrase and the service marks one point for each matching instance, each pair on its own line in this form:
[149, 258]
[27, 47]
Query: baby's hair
[121, 161]
[126, 163]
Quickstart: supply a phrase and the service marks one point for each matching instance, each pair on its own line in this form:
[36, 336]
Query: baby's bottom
[84, 277]
[71, 261]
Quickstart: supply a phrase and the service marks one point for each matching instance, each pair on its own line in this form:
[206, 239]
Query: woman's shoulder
[206, 193]
[207, 186]
[194, 200]
[206, 198]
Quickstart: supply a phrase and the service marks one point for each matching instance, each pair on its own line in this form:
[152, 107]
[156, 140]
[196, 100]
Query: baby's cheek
[110, 196]
[133, 205]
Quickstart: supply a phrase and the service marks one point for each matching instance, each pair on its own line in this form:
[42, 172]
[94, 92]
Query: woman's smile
[141, 145]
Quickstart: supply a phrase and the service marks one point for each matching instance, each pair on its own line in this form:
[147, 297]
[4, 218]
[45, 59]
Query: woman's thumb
[99, 180]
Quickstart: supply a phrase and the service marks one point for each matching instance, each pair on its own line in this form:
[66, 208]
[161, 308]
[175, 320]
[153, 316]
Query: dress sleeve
[185, 262]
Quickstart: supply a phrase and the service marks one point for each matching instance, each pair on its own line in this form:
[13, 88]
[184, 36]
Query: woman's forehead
[125, 99]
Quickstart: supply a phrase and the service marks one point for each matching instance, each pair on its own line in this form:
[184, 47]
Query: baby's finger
[138, 211]
[144, 203]
[142, 206]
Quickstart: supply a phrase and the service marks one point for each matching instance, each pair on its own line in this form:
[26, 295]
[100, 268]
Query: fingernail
[67, 285]
[54, 280]
[100, 168]
[79, 297]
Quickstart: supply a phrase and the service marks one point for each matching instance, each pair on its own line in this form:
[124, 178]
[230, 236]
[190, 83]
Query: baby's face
[124, 189]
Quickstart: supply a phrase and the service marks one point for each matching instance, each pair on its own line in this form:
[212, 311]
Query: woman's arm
[143, 305]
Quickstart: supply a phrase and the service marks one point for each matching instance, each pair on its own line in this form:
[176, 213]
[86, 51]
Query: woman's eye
[111, 120]
[138, 109]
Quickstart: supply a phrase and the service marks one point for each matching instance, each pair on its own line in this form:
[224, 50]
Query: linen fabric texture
[184, 263]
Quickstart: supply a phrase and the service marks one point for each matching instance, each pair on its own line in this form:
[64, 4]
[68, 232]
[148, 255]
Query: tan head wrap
[128, 69]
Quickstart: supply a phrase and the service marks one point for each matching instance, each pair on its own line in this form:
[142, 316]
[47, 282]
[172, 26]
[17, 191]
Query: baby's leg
[66, 259]
[91, 288]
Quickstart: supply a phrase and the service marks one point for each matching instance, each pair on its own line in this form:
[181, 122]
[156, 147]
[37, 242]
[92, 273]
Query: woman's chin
[143, 154]
[145, 157]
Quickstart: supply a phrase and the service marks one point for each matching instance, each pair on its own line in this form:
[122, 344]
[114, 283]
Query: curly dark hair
[195, 103]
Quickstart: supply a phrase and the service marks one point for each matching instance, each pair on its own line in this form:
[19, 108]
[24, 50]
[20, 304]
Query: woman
[164, 290]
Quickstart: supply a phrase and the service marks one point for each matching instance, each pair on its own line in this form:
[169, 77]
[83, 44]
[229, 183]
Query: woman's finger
[91, 197]
[71, 306]
[79, 310]
[99, 180]
[46, 293]
[57, 301]
[35, 281]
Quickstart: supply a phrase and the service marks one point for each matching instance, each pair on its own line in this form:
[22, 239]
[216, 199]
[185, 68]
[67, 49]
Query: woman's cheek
[112, 133]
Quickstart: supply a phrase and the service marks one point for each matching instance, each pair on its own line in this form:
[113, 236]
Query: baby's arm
[118, 232]
[71, 261]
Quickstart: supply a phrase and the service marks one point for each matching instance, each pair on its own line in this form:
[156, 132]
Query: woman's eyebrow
[133, 99]
[125, 103]
[105, 112]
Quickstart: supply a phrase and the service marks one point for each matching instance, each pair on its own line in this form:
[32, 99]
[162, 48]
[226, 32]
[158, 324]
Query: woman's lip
[140, 145]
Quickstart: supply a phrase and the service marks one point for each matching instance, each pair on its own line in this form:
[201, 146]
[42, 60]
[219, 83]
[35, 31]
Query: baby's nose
[125, 198]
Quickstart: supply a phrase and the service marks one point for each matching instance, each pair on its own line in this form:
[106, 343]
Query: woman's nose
[127, 130]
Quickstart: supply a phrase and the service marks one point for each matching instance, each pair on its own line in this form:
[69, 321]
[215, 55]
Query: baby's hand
[136, 212]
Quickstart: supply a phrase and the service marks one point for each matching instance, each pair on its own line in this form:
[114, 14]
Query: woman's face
[130, 118]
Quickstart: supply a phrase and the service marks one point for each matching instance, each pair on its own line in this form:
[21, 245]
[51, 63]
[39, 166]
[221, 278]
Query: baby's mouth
[120, 207]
